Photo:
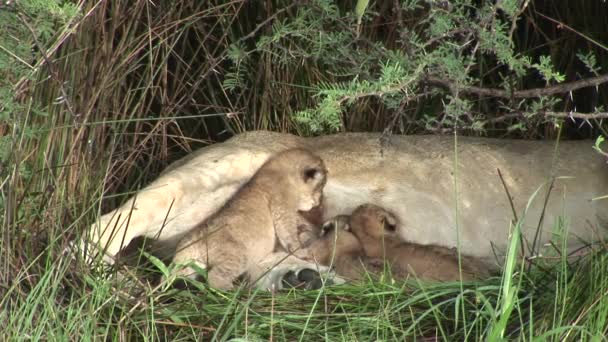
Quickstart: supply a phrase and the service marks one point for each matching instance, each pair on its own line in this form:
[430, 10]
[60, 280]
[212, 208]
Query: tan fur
[411, 176]
[261, 217]
[339, 248]
[359, 243]
[377, 231]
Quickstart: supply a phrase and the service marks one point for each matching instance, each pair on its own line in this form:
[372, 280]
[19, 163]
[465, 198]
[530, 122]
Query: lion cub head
[373, 222]
[336, 241]
[307, 175]
[375, 227]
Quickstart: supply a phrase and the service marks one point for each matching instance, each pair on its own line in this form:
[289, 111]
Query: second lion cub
[260, 222]
[337, 246]
[376, 229]
[361, 243]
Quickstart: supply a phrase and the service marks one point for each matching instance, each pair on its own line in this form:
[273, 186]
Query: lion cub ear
[313, 174]
[389, 224]
[338, 222]
[327, 228]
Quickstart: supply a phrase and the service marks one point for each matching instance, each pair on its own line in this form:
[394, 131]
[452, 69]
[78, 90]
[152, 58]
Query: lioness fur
[260, 220]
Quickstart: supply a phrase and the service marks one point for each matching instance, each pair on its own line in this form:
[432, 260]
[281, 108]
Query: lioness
[260, 222]
[433, 192]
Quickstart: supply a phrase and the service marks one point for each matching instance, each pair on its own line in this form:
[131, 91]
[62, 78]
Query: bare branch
[548, 114]
[575, 115]
[530, 93]
[562, 25]
[268, 20]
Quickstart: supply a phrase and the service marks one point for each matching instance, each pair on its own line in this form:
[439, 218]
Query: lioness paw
[310, 277]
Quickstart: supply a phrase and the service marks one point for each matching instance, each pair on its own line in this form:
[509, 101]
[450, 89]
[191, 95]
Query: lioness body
[259, 222]
[415, 177]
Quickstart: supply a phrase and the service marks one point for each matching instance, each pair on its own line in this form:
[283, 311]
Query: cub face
[311, 179]
[339, 222]
[300, 172]
[338, 231]
[370, 221]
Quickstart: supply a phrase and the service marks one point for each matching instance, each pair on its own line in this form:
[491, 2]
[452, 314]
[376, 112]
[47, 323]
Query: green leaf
[158, 263]
[600, 140]
[360, 9]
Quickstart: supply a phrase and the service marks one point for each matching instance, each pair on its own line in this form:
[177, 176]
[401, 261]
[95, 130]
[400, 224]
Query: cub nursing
[260, 224]
[363, 241]
[265, 224]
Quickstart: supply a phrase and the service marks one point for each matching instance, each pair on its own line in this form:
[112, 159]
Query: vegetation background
[96, 97]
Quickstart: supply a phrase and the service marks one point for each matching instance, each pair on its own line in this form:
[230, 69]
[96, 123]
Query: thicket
[97, 97]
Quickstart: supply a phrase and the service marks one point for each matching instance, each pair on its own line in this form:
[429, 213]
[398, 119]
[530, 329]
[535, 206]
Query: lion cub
[262, 219]
[339, 247]
[376, 230]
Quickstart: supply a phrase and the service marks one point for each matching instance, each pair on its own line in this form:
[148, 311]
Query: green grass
[57, 298]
